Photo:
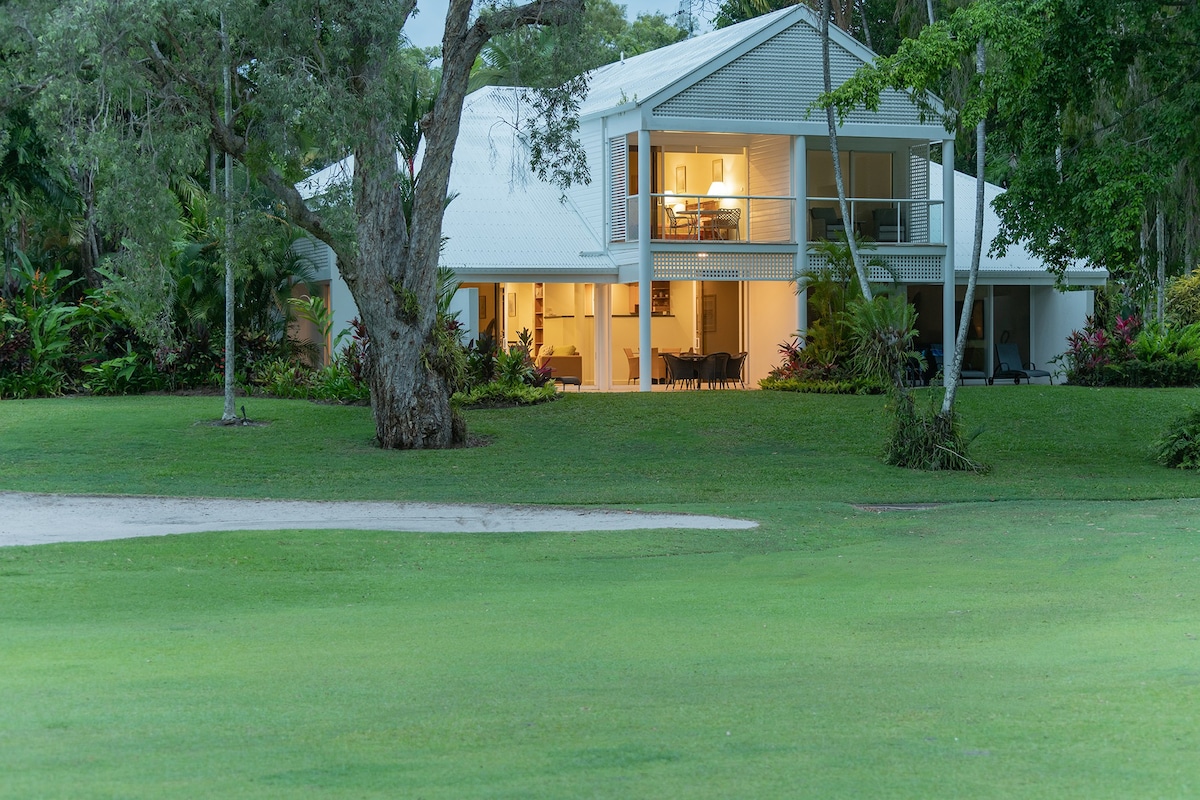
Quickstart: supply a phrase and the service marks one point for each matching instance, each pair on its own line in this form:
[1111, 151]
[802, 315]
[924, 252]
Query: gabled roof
[766, 68]
[1017, 261]
[636, 79]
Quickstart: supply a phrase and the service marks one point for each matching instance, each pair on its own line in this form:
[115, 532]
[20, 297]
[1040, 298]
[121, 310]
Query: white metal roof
[636, 79]
[503, 220]
[787, 74]
[1017, 261]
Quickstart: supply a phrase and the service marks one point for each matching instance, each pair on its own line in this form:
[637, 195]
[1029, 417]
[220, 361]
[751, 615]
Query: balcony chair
[675, 223]
[724, 221]
[826, 222]
[888, 225]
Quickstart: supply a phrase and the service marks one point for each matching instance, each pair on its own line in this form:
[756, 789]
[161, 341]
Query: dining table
[698, 218]
[698, 368]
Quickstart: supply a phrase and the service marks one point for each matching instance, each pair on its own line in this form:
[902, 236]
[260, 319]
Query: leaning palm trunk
[960, 341]
[847, 223]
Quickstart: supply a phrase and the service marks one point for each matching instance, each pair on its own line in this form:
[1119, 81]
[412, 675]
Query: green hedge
[852, 386]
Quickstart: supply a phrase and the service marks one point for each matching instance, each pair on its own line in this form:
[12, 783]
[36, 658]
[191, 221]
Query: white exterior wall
[466, 304]
[772, 321]
[770, 174]
[324, 264]
[589, 198]
[1053, 315]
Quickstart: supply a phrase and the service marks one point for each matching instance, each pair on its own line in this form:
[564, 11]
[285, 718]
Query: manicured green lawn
[680, 448]
[1043, 645]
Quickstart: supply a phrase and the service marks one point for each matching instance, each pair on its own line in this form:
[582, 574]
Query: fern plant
[1179, 445]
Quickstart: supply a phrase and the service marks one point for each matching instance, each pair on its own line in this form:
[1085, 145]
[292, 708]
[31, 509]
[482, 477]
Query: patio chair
[687, 223]
[935, 362]
[712, 369]
[826, 222]
[888, 225]
[735, 368]
[1010, 365]
[726, 224]
[680, 370]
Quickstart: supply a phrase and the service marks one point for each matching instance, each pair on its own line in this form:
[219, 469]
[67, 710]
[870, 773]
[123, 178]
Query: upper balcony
[708, 219]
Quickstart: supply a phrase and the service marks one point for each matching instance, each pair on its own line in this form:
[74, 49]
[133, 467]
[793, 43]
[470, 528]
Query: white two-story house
[711, 181]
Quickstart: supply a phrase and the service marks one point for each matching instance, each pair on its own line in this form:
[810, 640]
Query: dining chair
[712, 369]
[725, 221]
[687, 223]
[734, 369]
[680, 370]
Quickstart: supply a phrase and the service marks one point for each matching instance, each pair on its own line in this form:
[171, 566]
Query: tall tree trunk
[89, 246]
[964, 324]
[394, 287]
[228, 414]
[847, 222]
[866, 25]
[1161, 283]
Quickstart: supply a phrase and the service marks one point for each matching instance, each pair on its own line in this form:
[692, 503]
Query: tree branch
[229, 141]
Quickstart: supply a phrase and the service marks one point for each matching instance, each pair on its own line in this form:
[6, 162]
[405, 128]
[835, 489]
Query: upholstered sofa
[562, 360]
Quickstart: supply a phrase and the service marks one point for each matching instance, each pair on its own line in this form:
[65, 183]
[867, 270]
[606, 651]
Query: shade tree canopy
[134, 92]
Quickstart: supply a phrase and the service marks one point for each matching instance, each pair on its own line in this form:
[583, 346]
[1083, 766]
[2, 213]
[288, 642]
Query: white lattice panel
[905, 268]
[718, 266]
[918, 186]
[778, 81]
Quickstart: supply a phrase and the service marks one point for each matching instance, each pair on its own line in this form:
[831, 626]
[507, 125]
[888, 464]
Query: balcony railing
[882, 219]
[769, 219]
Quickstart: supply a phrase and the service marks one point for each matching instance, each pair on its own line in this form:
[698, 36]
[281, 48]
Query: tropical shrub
[35, 334]
[516, 379]
[127, 374]
[1179, 444]
[849, 386]
[850, 344]
[882, 331]
[1183, 299]
[927, 439]
[501, 394]
[482, 357]
[1131, 355]
[336, 382]
[282, 377]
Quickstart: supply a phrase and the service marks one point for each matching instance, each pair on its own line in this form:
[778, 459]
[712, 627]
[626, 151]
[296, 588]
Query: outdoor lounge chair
[888, 225]
[935, 364]
[1010, 365]
[826, 222]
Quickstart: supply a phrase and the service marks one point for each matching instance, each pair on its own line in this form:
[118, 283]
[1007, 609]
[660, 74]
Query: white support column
[948, 330]
[800, 224]
[645, 263]
[989, 328]
[602, 311]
